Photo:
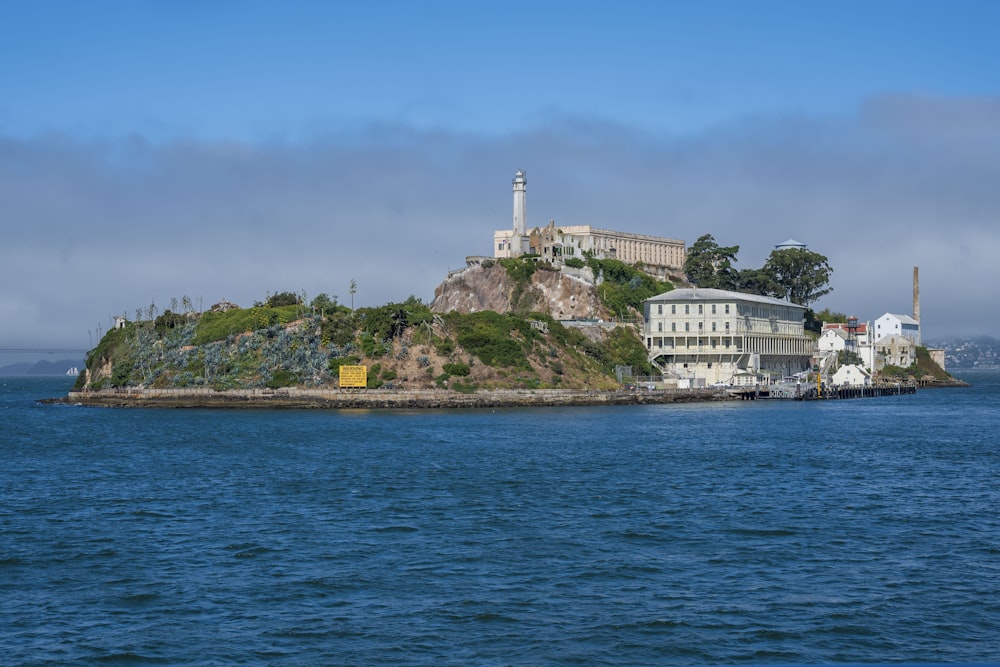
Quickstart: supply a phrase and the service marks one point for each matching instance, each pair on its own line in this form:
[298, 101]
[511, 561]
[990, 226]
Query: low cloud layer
[94, 228]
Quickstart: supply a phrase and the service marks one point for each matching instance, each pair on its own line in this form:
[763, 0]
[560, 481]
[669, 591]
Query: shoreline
[300, 398]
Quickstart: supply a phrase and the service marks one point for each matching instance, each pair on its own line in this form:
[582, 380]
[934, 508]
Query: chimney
[916, 293]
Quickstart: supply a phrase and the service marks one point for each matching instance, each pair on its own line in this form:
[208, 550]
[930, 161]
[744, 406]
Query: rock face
[567, 294]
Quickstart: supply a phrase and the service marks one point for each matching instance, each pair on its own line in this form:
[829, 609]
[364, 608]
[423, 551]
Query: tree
[800, 276]
[323, 303]
[353, 290]
[283, 299]
[757, 281]
[710, 265]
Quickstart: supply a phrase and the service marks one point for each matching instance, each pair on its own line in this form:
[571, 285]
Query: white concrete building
[838, 336]
[554, 242]
[713, 336]
[851, 375]
[892, 324]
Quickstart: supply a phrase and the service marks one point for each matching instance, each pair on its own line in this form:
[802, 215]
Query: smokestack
[916, 293]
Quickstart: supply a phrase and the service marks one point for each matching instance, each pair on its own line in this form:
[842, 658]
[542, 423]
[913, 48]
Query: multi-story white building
[891, 324]
[851, 336]
[559, 242]
[710, 336]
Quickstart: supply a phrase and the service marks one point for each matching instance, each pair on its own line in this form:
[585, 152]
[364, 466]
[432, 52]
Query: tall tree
[757, 281]
[710, 265]
[801, 275]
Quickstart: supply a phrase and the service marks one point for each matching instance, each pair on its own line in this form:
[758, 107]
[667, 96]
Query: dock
[803, 392]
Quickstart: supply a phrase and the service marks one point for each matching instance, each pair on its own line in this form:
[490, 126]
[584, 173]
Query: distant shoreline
[302, 398]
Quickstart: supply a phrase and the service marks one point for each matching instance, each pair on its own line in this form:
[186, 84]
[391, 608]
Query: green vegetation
[520, 270]
[282, 299]
[282, 342]
[923, 367]
[625, 287]
[219, 326]
[710, 265]
[497, 340]
[456, 368]
[796, 274]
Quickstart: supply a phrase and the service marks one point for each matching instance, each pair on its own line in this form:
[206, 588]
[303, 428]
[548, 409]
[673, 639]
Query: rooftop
[709, 294]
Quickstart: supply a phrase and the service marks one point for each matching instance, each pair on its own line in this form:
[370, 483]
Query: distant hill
[970, 353]
[41, 367]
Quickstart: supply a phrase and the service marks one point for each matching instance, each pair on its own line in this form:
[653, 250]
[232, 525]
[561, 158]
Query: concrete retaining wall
[369, 398]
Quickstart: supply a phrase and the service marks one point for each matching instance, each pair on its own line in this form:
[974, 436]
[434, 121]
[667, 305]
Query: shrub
[338, 329]
[283, 299]
[167, 321]
[519, 268]
[282, 378]
[456, 368]
[219, 326]
[444, 346]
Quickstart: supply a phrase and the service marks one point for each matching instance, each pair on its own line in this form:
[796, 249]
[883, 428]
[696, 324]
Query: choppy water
[761, 532]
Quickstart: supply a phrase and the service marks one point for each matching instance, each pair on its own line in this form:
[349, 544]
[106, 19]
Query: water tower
[852, 335]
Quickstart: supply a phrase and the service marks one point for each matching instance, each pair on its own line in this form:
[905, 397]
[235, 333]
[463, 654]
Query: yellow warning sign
[354, 376]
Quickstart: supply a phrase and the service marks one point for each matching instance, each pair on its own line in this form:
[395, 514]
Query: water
[747, 532]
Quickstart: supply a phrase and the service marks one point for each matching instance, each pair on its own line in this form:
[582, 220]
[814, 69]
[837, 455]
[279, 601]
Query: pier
[811, 393]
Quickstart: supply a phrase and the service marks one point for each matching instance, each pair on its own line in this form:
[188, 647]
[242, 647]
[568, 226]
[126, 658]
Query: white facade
[850, 375]
[722, 336]
[557, 242]
[520, 184]
[836, 337]
[891, 324]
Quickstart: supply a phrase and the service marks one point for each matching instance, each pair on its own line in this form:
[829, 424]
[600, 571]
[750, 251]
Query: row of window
[687, 309]
[687, 326]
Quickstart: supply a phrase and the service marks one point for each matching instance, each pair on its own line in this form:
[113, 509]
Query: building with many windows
[892, 324]
[553, 242]
[709, 336]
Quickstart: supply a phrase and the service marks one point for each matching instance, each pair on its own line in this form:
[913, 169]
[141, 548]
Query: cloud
[96, 227]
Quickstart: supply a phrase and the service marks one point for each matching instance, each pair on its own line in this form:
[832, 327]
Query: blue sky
[150, 150]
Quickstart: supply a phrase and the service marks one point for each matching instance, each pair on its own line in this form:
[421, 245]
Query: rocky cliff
[567, 294]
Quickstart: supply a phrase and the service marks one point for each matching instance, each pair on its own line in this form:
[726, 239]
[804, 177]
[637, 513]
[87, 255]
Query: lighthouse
[520, 184]
[519, 238]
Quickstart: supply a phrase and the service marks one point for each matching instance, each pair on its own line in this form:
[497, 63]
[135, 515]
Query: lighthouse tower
[520, 184]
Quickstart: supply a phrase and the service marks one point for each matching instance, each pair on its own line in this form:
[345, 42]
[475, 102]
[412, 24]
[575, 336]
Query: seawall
[301, 398]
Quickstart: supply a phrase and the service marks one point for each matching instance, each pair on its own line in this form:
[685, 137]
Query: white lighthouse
[520, 184]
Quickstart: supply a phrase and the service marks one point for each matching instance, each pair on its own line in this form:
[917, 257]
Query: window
[687, 309]
[701, 326]
[713, 309]
[687, 326]
[673, 326]
[659, 309]
[727, 326]
[727, 309]
[701, 309]
[659, 326]
[673, 309]
[713, 326]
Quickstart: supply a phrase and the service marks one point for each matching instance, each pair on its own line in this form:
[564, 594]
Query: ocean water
[742, 533]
